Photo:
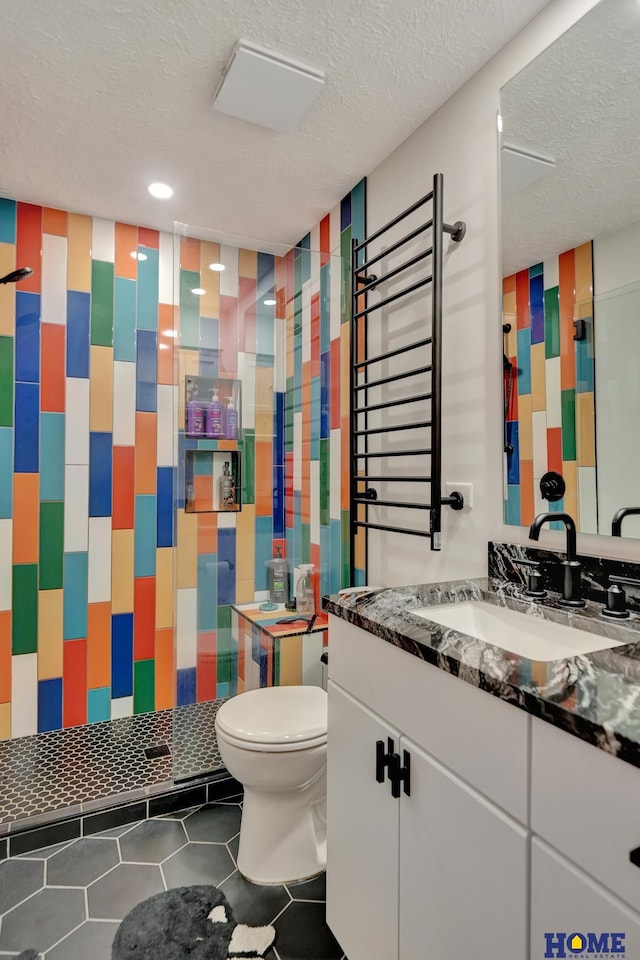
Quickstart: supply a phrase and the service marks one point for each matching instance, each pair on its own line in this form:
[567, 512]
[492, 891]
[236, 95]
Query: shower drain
[160, 750]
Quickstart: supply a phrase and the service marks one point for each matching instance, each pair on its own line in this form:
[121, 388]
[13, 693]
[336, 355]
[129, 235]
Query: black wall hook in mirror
[552, 486]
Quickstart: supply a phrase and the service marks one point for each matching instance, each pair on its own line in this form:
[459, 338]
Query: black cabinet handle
[383, 760]
[634, 856]
[400, 774]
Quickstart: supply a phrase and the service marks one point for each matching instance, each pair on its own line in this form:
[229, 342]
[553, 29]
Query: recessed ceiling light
[137, 256]
[162, 191]
[217, 267]
[269, 303]
[199, 291]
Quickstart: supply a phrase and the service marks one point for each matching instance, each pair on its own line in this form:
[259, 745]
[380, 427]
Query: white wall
[616, 275]
[460, 141]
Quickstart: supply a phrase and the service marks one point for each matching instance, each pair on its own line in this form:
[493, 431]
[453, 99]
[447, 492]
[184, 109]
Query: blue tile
[265, 276]
[7, 221]
[325, 308]
[315, 417]
[52, 456]
[186, 686]
[99, 705]
[28, 337]
[147, 371]
[556, 506]
[147, 313]
[358, 205]
[524, 361]
[336, 554]
[325, 392]
[49, 704]
[536, 307]
[536, 270]
[585, 372]
[223, 690]
[207, 591]
[359, 578]
[279, 428]
[305, 257]
[278, 502]
[124, 324]
[512, 505]
[75, 596]
[513, 459]
[121, 655]
[6, 473]
[164, 507]
[145, 536]
[264, 550]
[78, 326]
[345, 212]
[208, 333]
[100, 474]
[27, 428]
[209, 363]
[227, 566]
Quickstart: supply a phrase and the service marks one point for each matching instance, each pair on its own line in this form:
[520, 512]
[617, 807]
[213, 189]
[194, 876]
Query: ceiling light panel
[263, 87]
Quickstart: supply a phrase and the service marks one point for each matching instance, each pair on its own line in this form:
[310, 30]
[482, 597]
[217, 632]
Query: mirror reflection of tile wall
[549, 400]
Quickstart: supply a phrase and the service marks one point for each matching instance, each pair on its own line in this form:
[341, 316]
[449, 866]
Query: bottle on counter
[214, 421]
[278, 578]
[195, 413]
[305, 594]
[231, 420]
[227, 489]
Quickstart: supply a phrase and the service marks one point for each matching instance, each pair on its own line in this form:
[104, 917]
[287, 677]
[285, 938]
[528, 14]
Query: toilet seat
[275, 719]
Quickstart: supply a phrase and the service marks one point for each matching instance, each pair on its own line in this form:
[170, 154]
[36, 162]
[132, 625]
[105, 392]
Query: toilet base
[283, 838]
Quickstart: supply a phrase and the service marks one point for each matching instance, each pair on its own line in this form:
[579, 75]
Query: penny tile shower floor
[67, 901]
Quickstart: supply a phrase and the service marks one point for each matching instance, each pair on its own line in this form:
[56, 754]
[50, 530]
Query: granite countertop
[593, 696]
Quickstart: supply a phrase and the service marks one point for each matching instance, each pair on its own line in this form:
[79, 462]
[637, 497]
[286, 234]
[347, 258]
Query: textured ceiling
[101, 97]
[580, 103]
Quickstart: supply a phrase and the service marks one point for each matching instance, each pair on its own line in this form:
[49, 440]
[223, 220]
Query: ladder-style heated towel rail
[427, 425]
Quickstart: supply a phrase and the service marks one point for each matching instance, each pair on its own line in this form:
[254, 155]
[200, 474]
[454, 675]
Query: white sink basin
[524, 635]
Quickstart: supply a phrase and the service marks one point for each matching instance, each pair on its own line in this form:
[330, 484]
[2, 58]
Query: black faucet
[616, 523]
[572, 567]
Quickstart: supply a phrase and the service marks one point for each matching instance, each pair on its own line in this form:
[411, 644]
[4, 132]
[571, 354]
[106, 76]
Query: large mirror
[570, 182]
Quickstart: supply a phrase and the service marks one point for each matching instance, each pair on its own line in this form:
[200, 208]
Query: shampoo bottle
[305, 597]
[227, 489]
[278, 578]
[215, 416]
[195, 414]
[231, 420]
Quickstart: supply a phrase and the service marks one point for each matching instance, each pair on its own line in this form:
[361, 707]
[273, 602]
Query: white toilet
[274, 742]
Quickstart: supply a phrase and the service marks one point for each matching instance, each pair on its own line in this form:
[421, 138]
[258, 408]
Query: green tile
[536, 270]
[345, 253]
[6, 381]
[345, 549]
[25, 608]
[325, 482]
[247, 447]
[276, 661]
[51, 545]
[224, 617]
[101, 303]
[568, 425]
[306, 541]
[223, 668]
[552, 323]
[144, 688]
[189, 309]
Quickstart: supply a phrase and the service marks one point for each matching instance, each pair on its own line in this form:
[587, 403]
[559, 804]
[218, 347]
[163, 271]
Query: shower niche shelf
[202, 388]
[206, 485]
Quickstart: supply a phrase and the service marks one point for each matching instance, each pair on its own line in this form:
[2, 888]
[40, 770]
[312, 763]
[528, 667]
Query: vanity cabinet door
[362, 833]
[463, 870]
[565, 902]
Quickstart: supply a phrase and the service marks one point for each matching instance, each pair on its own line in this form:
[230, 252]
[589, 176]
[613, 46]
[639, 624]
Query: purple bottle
[214, 419]
[195, 414]
[231, 420]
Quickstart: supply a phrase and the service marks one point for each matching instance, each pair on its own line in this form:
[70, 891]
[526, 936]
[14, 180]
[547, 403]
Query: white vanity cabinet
[439, 871]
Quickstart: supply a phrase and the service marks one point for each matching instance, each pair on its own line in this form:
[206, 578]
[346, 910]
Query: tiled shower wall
[93, 355]
[550, 419]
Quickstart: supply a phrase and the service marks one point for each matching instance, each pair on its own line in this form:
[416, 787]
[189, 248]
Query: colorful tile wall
[549, 398]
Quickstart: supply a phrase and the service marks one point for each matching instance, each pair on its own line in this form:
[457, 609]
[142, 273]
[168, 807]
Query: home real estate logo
[591, 946]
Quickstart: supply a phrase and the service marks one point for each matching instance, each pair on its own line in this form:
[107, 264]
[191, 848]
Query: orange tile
[527, 502]
[248, 263]
[146, 452]
[522, 299]
[166, 344]
[187, 551]
[126, 244]
[207, 533]
[5, 656]
[570, 474]
[99, 645]
[264, 479]
[7, 291]
[26, 517]
[264, 402]
[567, 303]
[584, 272]
[203, 492]
[54, 221]
[554, 449]
[306, 483]
[245, 546]
[5, 721]
[586, 429]
[509, 284]
[101, 390]
[122, 552]
[144, 618]
[79, 253]
[164, 587]
[164, 676]
[345, 360]
[52, 388]
[245, 589]
[306, 403]
[149, 238]
[29, 244]
[189, 254]
[50, 634]
[123, 488]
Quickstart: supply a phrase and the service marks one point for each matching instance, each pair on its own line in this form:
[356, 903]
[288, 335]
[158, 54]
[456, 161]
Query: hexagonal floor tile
[42, 920]
[215, 823]
[254, 904]
[93, 939]
[153, 841]
[81, 863]
[19, 879]
[302, 934]
[314, 889]
[198, 863]
[111, 897]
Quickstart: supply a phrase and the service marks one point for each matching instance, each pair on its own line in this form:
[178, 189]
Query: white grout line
[278, 915]
[62, 939]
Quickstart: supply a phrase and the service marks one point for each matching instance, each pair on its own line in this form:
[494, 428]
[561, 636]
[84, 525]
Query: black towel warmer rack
[363, 496]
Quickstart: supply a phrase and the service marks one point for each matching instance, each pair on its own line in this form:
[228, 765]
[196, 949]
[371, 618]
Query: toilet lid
[275, 715]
